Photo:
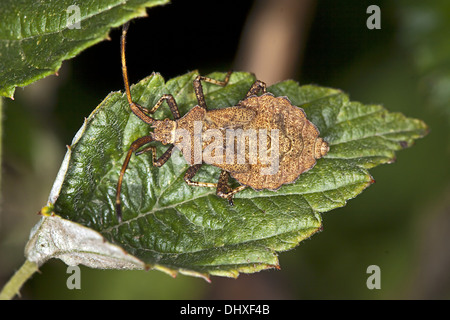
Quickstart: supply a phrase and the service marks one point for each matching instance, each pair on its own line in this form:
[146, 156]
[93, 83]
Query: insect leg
[161, 160]
[133, 148]
[223, 189]
[256, 88]
[190, 173]
[172, 105]
[199, 89]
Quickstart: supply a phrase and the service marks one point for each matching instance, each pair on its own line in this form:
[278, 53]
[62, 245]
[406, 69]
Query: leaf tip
[8, 92]
[276, 266]
[404, 144]
[197, 274]
[47, 211]
[171, 272]
[148, 267]
[392, 160]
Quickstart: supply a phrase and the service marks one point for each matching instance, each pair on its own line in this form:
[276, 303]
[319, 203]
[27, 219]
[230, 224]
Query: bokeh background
[401, 223]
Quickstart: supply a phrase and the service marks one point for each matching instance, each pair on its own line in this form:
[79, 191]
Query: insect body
[262, 142]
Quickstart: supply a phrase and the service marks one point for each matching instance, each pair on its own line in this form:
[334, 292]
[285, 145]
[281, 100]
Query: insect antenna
[133, 148]
[138, 110]
[124, 62]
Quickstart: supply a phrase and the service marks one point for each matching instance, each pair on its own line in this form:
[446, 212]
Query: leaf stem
[18, 279]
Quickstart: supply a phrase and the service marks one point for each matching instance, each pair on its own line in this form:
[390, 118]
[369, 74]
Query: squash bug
[249, 154]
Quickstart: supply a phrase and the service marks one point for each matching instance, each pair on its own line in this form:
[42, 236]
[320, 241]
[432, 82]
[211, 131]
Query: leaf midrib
[381, 135]
[156, 208]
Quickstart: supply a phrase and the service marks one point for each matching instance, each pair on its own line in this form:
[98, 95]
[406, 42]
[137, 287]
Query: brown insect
[292, 147]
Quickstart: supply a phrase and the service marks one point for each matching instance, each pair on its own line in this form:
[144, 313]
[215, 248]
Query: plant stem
[1, 147]
[18, 279]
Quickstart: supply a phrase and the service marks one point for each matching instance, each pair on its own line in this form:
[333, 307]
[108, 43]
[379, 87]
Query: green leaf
[177, 228]
[37, 36]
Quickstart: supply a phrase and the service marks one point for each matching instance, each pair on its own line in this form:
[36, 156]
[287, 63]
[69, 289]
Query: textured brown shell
[299, 141]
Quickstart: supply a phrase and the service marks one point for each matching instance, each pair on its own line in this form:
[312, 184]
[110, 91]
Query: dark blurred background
[401, 223]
